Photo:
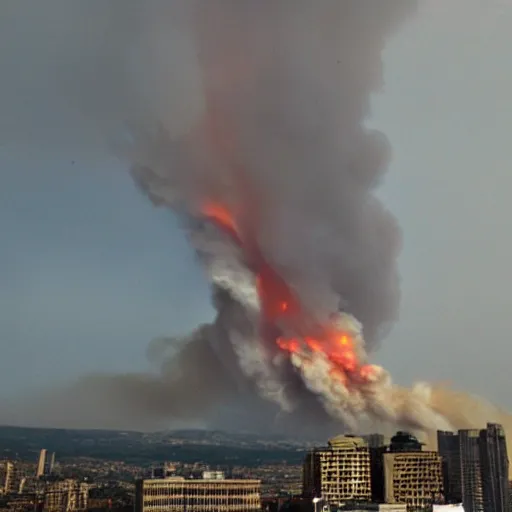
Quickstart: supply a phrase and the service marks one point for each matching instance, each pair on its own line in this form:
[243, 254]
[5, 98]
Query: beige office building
[66, 495]
[177, 494]
[41, 464]
[12, 478]
[45, 463]
[340, 472]
[412, 478]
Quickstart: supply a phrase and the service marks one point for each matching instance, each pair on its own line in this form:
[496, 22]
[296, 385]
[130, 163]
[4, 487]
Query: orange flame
[340, 352]
[291, 346]
[314, 345]
[220, 215]
[344, 340]
[278, 300]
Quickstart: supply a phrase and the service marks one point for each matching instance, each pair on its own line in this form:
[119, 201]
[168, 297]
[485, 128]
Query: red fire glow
[280, 306]
[221, 216]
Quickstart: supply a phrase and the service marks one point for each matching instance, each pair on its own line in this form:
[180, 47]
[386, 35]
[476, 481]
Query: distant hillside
[212, 447]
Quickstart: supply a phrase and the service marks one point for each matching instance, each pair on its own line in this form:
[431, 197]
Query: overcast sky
[90, 272]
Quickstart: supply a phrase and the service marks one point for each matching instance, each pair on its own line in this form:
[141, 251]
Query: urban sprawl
[468, 472]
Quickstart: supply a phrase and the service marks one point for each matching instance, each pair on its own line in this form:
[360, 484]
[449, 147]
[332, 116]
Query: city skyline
[363, 472]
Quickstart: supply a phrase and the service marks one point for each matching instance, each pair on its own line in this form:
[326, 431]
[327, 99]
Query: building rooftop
[347, 442]
[178, 479]
[405, 442]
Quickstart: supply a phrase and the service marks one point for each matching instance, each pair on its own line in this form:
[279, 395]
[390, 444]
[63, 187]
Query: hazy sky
[90, 271]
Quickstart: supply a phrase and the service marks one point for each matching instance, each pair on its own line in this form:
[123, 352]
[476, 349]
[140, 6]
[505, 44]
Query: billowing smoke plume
[274, 139]
[247, 119]
[274, 133]
[274, 149]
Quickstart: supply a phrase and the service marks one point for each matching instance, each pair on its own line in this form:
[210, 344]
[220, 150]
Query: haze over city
[91, 271]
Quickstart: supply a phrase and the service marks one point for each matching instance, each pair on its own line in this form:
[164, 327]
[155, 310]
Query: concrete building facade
[494, 464]
[414, 479]
[378, 447]
[475, 466]
[411, 476]
[66, 496]
[448, 446]
[12, 478]
[177, 494]
[340, 472]
[374, 440]
[470, 470]
[45, 463]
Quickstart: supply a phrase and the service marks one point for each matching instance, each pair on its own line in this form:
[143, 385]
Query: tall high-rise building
[412, 476]
[340, 472]
[470, 470]
[378, 447]
[45, 463]
[404, 442]
[494, 464]
[41, 464]
[374, 440]
[482, 470]
[449, 449]
[12, 478]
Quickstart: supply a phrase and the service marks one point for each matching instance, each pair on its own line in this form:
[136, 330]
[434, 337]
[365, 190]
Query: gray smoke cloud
[294, 77]
[293, 80]
[281, 90]
[272, 127]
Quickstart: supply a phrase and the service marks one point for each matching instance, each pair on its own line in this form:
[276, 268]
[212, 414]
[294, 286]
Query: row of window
[198, 491]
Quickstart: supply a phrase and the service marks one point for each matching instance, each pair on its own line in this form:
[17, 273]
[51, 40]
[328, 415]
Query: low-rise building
[66, 495]
[177, 494]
